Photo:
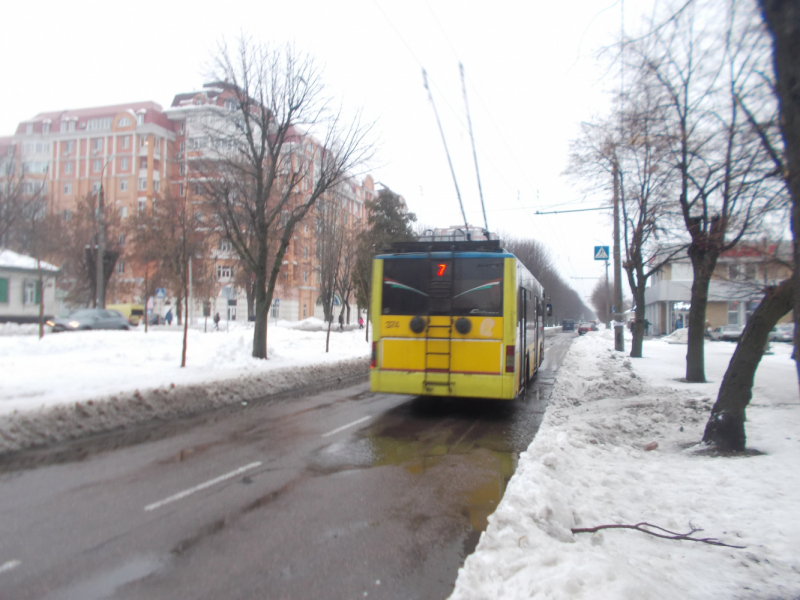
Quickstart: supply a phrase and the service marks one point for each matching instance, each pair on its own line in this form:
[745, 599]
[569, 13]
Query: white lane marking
[343, 427]
[202, 486]
[12, 564]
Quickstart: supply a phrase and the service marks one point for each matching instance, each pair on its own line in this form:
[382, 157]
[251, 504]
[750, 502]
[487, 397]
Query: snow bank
[679, 336]
[589, 465]
[72, 384]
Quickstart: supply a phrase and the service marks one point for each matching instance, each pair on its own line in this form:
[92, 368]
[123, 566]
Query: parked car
[567, 325]
[782, 333]
[586, 328]
[90, 318]
[726, 333]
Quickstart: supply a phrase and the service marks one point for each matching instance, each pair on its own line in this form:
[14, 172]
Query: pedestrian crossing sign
[601, 252]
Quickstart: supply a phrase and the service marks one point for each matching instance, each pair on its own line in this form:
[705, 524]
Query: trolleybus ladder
[440, 292]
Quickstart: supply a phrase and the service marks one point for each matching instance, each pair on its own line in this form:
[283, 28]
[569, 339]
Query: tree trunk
[146, 296]
[703, 266]
[328, 337]
[783, 19]
[185, 320]
[366, 334]
[725, 427]
[262, 312]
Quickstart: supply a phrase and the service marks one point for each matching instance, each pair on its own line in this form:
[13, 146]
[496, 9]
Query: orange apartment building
[135, 150]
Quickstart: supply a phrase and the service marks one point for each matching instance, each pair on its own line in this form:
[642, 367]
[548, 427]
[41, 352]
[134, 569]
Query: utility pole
[619, 340]
[607, 316]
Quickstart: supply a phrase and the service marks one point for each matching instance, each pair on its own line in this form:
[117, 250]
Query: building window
[123, 185]
[95, 187]
[67, 189]
[3, 290]
[103, 123]
[305, 276]
[68, 168]
[123, 163]
[68, 146]
[305, 253]
[96, 166]
[46, 128]
[733, 313]
[66, 215]
[180, 190]
[143, 142]
[223, 272]
[275, 311]
[123, 212]
[126, 141]
[183, 127]
[182, 148]
[142, 205]
[140, 119]
[156, 185]
[734, 272]
[124, 122]
[142, 184]
[750, 271]
[305, 228]
[182, 170]
[97, 144]
[120, 267]
[29, 128]
[305, 311]
[225, 245]
[30, 292]
[143, 163]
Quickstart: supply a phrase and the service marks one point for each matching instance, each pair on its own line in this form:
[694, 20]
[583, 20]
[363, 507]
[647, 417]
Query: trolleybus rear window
[477, 287]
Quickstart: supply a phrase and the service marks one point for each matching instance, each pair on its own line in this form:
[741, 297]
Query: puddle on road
[104, 585]
[468, 450]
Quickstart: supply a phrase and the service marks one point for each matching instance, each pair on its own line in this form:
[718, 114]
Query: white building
[20, 290]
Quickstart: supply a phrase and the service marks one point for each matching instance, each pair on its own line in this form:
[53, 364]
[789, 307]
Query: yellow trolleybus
[459, 319]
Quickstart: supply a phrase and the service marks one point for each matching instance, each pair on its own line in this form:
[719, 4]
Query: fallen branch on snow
[672, 535]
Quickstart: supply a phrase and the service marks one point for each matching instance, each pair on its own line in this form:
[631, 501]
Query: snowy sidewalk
[76, 383]
[588, 466]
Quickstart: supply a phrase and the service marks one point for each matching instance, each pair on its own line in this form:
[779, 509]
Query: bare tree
[782, 19]
[330, 238]
[276, 149]
[702, 66]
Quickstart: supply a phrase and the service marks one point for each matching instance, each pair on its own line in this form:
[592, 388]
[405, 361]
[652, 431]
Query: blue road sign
[601, 252]
[161, 292]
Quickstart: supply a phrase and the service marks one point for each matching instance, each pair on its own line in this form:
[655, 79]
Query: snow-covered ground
[70, 384]
[589, 466]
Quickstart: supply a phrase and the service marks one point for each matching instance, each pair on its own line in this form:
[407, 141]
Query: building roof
[153, 114]
[21, 262]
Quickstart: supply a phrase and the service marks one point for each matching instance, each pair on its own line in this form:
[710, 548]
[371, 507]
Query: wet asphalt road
[340, 494]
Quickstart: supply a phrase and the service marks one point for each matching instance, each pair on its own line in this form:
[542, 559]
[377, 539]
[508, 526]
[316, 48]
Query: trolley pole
[619, 340]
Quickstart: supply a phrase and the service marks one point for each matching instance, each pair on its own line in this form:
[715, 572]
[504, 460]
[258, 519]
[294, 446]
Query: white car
[782, 333]
[726, 333]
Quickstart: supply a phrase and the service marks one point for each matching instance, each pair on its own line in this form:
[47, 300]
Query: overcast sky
[532, 77]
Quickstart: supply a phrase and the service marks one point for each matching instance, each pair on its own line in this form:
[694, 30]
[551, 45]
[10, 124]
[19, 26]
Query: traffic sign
[276, 302]
[601, 252]
[161, 292]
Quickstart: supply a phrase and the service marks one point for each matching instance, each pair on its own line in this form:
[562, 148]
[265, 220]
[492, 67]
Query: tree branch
[672, 535]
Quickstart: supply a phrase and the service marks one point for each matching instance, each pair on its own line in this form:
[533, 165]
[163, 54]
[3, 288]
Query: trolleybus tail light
[374, 357]
[510, 358]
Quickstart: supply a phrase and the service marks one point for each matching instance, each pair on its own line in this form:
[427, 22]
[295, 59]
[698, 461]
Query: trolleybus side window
[478, 287]
[404, 287]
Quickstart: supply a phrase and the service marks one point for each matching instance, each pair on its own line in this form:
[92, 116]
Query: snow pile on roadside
[679, 336]
[589, 466]
[19, 329]
[71, 384]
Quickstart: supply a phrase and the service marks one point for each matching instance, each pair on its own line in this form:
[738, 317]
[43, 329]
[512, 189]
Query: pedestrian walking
[341, 321]
[646, 327]
[679, 322]
[361, 322]
[168, 317]
[216, 321]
